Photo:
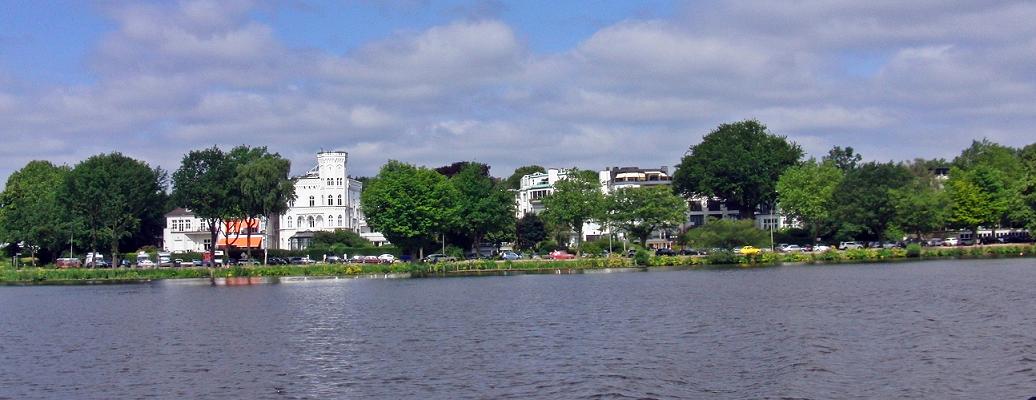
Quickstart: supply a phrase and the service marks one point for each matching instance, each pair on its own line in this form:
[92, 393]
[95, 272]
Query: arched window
[289, 222]
[312, 201]
[330, 200]
[339, 199]
[300, 222]
[330, 181]
[320, 221]
[339, 181]
[312, 222]
[339, 219]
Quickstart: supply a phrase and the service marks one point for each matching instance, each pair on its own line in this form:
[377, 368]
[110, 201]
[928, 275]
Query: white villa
[185, 232]
[326, 199]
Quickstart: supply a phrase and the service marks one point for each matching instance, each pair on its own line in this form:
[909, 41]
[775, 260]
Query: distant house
[185, 232]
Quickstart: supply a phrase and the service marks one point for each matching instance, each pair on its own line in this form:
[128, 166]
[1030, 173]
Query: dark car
[665, 252]
[296, 261]
[437, 258]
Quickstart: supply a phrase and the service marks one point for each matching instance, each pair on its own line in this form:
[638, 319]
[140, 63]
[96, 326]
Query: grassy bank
[28, 275]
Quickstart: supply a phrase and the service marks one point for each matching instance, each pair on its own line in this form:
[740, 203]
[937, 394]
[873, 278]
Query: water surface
[941, 329]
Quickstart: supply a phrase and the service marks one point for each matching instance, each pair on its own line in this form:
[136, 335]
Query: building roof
[179, 212]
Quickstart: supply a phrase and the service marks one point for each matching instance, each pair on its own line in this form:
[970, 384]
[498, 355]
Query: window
[339, 219]
[339, 181]
[339, 199]
[187, 224]
[300, 222]
[207, 244]
[312, 201]
[330, 181]
[714, 205]
[330, 200]
[312, 222]
[320, 220]
[289, 222]
[695, 205]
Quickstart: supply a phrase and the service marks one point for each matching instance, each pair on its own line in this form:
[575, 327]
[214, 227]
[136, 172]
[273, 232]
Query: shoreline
[285, 274]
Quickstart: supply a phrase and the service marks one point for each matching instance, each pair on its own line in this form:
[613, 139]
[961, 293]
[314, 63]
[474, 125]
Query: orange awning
[242, 241]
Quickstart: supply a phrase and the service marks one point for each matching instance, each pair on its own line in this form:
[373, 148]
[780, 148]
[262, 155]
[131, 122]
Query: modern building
[617, 178]
[533, 188]
[326, 199]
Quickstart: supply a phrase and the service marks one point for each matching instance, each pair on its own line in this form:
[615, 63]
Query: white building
[326, 199]
[534, 187]
[625, 177]
[185, 232]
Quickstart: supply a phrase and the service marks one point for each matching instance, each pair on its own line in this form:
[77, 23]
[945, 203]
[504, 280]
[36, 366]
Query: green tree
[529, 231]
[576, 200]
[514, 182]
[112, 192]
[806, 193]
[863, 206]
[844, 159]
[920, 207]
[727, 234]
[1000, 173]
[340, 237]
[482, 205]
[969, 204]
[203, 184]
[993, 155]
[739, 163]
[264, 188]
[642, 210]
[31, 210]
[411, 206]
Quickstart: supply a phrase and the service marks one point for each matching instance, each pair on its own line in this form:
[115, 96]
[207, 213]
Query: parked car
[67, 263]
[934, 242]
[748, 250]
[691, 252]
[387, 258]
[820, 248]
[333, 259]
[510, 255]
[665, 252]
[791, 248]
[295, 261]
[371, 260]
[849, 245]
[145, 263]
[560, 255]
[950, 241]
[195, 262]
[438, 258]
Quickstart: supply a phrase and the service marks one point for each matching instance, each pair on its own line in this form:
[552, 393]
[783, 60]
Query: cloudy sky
[509, 83]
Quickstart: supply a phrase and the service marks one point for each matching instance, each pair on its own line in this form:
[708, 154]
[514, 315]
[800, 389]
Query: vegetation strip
[117, 275]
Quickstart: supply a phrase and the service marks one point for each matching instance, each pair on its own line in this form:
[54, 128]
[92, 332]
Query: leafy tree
[530, 230]
[642, 210]
[993, 155]
[969, 204]
[575, 200]
[31, 209]
[342, 237]
[411, 206]
[920, 207]
[264, 188]
[514, 181]
[451, 170]
[203, 185]
[844, 159]
[482, 205]
[923, 170]
[738, 162]
[112, 192]
[727, 234]
[806, 193]
[863, 205]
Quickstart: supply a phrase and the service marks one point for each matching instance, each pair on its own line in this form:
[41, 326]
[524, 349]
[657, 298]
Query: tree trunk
[213, 236]
[248, 237]
[115, 252]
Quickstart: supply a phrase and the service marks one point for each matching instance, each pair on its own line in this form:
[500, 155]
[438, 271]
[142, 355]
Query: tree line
[112, 202]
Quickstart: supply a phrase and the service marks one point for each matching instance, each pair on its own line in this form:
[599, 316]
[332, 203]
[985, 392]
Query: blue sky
[588, 84]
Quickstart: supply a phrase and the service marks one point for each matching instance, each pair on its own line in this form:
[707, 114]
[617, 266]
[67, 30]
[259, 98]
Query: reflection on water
[953, 329]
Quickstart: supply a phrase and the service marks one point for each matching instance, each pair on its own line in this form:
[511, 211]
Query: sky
[589, 84]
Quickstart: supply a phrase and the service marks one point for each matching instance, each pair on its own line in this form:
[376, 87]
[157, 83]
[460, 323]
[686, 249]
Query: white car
[950, 241]
[821, 248]
[791, 248]
[145, 264]
[387, 258]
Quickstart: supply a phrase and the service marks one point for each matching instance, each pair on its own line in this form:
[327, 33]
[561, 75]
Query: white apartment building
[326, 199]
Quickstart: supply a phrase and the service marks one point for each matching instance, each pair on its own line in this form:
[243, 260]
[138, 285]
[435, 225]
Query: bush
[913, 250]
[722, 257]
[641, 257]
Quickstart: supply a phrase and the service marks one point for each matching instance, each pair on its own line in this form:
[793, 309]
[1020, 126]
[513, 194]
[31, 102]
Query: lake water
[937, 329]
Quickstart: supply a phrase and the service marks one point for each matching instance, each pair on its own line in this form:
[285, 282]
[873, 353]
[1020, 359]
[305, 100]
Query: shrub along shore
[463, 268]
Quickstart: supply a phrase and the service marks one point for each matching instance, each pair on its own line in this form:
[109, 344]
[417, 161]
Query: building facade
[185, 232]
[326, 199]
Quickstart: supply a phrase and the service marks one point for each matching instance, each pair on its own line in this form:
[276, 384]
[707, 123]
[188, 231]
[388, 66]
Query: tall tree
[999, 172]
[643, 210]
[411, 206]
[806, 193]
[576, 200]
[739, 163]
[264, 187]
[112, 192]
[451, 170]
[969, 204]
[203, 185]
[482, 205]
[31, 210]
[863, 204]
[920, 207]
[514, 181]
[993, 155]
[844, 159]
[726, 234]
[529, 231]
